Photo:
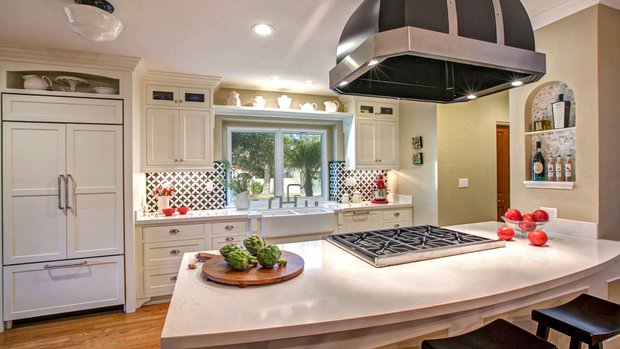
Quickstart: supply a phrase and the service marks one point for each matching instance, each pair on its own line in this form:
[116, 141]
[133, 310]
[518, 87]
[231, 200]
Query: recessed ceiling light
[262, 29]
[471, 96]
[517, 83]
[343, 83]
[373, 62]
[309, 83]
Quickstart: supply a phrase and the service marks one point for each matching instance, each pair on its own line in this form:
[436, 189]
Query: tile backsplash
[190, 188]
[363, 180]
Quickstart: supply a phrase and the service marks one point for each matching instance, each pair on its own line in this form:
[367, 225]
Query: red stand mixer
[380, 195]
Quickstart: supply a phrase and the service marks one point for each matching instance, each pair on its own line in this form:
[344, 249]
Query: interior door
[34, 220]
[195, 138]
[95, 178]
[503, 169]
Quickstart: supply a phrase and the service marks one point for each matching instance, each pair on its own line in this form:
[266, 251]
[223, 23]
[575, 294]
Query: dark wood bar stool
[499, 334]
[586, 319]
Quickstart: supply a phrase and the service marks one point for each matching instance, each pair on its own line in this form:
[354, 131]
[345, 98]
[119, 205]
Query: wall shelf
[549, 185]
[546, 132]
[282, 113]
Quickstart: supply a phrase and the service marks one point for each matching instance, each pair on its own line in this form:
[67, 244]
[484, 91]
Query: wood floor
[110, 330]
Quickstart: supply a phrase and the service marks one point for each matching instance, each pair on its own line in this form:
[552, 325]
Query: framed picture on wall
[417, 159]
[416, 142]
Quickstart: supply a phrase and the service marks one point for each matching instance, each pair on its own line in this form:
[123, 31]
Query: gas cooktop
[402, 245]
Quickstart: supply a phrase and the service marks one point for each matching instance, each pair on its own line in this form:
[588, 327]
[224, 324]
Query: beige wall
[419, 181]
[246, 97]
[466, 149]
[609, 121]
[571, 48]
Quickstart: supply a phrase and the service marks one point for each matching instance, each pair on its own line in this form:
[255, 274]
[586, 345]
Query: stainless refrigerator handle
[61, 179]
[73, 195]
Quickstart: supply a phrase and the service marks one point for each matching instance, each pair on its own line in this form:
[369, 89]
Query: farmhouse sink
[297, 221]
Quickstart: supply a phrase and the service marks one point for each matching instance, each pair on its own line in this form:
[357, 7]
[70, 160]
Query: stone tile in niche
[365, 181]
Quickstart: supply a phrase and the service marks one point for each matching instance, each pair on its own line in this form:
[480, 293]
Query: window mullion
[279, 163]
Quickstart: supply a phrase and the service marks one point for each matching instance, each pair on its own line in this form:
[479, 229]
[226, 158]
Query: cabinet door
[365, 140]
[387, 143]
[162, 137]
[195, 138]
[162, 95]
[33, 192]
[95, 178]
[218, 242]
[195, 97]
[360, 221]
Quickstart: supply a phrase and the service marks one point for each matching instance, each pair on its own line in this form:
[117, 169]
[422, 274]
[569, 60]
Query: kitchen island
[339, 301]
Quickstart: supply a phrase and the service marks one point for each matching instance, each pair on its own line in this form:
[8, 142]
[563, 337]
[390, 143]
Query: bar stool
[585, 319]
[499, 334]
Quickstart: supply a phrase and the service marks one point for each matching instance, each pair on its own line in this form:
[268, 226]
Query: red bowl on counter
[182, 209]
[525, 227]
[168, 211]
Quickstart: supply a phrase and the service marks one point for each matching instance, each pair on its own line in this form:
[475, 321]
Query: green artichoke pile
[257, 252]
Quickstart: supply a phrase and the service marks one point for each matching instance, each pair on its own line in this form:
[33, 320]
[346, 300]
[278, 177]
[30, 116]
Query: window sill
[549, 185]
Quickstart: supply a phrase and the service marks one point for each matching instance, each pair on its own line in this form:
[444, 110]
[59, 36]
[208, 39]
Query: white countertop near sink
[197, 216]
[339, 301]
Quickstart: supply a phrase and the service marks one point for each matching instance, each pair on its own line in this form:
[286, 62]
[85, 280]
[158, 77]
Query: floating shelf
[549, 185]
[276, 112]
[557, 130]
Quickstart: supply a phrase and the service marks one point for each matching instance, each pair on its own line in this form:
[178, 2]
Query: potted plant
[238, 182]
[164, 192]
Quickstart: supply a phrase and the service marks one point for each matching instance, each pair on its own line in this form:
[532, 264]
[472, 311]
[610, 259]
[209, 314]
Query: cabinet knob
[229, 239]
[174, 278]
[176, 160]
[229, 227]
[396, 225]
[181, 160]
[173, 252]
[396, 214]
[174, 231]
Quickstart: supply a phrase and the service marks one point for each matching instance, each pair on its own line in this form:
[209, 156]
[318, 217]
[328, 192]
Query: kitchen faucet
[271, 199]
[288, 194]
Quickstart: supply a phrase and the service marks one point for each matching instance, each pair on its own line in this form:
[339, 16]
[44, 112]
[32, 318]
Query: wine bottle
[561, 112]
[538, 164]
[550, 170]
[559, 170]
[568, 169]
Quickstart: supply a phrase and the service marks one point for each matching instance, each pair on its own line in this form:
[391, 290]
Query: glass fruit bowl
[525, 227]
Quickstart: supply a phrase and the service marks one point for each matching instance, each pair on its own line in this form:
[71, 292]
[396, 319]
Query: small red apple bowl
[525, 227]
[182, 209]
[168, 211]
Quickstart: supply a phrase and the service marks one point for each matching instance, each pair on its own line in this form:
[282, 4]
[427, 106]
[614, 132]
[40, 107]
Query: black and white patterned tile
[343, 181]
[191, 188]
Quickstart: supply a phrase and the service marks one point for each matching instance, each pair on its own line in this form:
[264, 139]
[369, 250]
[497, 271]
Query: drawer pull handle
[361, 212]
[174, 278]
[174, 231]
[229, 238]
[396, 225]
[396, 214]
[47, 266]
[229, 227]
[175, 252]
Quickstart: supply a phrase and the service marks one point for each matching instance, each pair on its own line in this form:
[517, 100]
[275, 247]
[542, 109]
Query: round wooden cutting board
[217, 269]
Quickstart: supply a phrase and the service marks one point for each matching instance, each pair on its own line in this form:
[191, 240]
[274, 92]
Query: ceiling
[213, 37]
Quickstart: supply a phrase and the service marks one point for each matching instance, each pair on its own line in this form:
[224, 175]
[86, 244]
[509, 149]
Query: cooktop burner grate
[402, 245]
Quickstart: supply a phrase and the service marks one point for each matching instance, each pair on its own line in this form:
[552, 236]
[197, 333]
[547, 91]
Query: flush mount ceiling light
[93, 20]
[262, 29]
[435, 51]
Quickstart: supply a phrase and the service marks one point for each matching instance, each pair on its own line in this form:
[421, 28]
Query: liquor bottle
[568, 169]
[551, 170]
[559, 170]
[561, 112]
[538, 164]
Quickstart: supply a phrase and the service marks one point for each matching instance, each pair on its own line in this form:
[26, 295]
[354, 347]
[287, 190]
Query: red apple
[537, 237]
[527, 222]
[540, 216]
[513, 215]
[505, 232]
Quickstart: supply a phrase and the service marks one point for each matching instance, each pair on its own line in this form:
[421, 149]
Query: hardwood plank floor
[110, 330]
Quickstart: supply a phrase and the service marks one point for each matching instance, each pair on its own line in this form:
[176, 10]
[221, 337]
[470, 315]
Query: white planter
[241, 201]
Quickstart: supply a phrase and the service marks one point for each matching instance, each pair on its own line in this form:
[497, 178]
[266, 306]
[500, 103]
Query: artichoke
[238, 260]
[253, 244]
[227, 249]
[268, 256]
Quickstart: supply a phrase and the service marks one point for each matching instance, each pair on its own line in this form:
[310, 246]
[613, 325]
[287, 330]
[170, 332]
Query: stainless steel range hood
[435, 50]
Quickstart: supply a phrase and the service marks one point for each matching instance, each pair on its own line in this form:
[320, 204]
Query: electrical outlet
[463, 182]
[209, 186]
[551, 211]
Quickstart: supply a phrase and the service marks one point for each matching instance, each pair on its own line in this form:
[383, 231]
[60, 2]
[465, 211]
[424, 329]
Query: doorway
[502, 133]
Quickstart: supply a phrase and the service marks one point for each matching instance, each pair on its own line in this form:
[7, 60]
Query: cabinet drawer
[218, 242]
[228, 228]
[396, 215]
[360, 221]
[167, 232]
[50, 288]
[160, 282]
[169, 252]
[396, 224]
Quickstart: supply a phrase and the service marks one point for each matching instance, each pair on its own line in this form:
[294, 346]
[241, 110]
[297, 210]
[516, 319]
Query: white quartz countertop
[195, 216]
[339, 292]
[367, 205]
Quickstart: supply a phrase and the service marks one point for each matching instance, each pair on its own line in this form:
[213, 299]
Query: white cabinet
[374, 219]
[178, 96]
[178, 138]
[373, 140]
[62, 191]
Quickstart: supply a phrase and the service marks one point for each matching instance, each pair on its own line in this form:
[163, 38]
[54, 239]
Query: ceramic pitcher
[259, 102]
[284, 102]
[331, 106]
[308, 106]
[34, 82]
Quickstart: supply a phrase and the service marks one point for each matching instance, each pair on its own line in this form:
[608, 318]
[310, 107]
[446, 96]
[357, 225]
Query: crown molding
[28, 54]
[181, 78]
[568, 8]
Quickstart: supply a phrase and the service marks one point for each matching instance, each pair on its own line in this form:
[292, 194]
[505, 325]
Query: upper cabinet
[372, 140]
[177, 122]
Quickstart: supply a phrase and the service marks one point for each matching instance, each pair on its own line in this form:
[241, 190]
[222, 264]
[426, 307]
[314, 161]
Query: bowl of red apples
[528, 223]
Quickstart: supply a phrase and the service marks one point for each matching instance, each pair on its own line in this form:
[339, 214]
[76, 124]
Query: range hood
[435, 50]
